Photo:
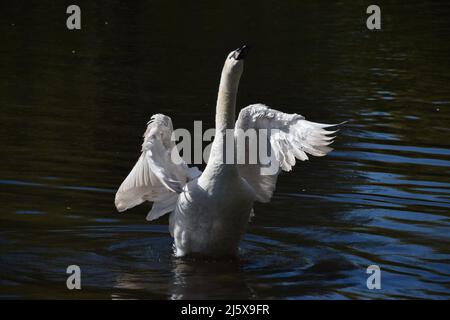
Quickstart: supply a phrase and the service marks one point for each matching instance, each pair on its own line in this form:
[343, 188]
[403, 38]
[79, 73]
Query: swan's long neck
[226, 101]
[225, 118]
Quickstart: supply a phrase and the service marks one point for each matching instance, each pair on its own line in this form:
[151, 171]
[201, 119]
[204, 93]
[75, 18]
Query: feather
[293, 138]
[155, 177]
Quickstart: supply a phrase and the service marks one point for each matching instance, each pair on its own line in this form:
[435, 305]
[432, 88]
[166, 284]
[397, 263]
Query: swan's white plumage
[155, 177]
[289, 136]
[210, 210]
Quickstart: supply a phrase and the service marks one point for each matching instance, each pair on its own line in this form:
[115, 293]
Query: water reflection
[202, 279]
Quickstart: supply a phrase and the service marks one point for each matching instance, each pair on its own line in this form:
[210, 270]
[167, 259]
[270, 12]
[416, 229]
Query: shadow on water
[74, 106]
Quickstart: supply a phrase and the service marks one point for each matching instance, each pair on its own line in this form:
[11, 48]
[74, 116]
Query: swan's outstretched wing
[155, 176]
[289, 137]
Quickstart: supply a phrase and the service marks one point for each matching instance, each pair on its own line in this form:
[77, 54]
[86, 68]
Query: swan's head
[234, 63]
[239, 54]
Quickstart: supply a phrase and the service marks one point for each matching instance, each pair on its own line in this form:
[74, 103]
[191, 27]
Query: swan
[210, 210]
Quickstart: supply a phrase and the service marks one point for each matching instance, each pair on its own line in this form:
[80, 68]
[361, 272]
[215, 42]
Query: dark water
[74, 106]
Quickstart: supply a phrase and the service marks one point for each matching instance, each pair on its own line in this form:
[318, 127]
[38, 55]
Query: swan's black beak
[241, 53]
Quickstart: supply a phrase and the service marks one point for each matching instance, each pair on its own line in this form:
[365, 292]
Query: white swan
[210, 210]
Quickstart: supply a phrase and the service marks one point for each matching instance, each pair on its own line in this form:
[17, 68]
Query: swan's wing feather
[155, 176]
[263, 185]
[140, 185]
[288, 136]
[163, 206]
[171, 175]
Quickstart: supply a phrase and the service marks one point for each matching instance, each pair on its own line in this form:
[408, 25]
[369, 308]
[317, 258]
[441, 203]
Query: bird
[210, 210]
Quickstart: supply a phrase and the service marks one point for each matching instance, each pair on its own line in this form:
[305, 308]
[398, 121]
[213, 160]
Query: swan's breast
[211, 219]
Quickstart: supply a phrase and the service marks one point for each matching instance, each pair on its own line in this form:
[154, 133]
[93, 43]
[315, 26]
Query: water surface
[74, 106]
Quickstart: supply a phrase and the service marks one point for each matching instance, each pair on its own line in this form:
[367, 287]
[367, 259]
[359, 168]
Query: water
[74, 106]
